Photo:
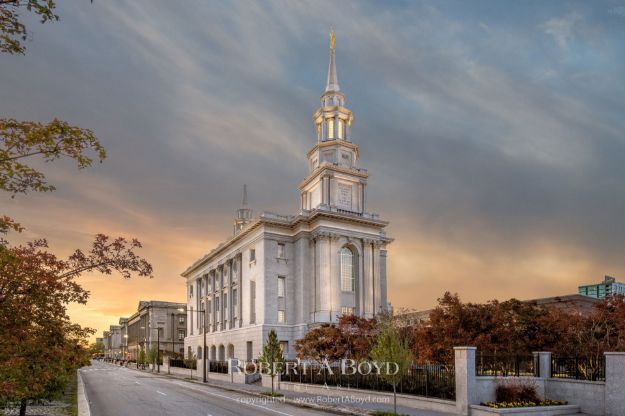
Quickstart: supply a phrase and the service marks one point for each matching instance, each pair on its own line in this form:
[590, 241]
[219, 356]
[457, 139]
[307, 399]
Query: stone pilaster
[465, 378]
[614, 383]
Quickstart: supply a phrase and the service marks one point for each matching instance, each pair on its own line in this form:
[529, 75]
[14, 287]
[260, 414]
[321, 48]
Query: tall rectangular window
[218, 315]
[252, 302]
[281, 317]
[225, 301]
[340, 129]
[252, 254]
[281, 251]
[281, 286]
[235, 302]
[330, 128]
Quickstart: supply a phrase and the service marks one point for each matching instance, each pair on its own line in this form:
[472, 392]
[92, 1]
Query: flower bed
[508, 405]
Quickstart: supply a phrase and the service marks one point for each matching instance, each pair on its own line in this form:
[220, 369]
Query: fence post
[614, 385]
[544, 364]
[465, 378]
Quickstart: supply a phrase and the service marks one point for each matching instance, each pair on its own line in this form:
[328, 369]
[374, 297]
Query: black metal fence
[504, 365]
[429, 380]
[181, 363]
[592, 369]
[218, 367]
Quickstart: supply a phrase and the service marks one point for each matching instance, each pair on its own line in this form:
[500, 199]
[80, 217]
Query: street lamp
[204, 346]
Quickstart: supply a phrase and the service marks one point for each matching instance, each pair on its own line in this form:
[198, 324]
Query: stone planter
[567, 409]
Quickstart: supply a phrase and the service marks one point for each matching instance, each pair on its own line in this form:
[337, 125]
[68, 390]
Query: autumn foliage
[518, 328]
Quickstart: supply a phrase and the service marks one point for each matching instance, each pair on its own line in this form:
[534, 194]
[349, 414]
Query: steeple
[334, 181]
[332, 85]
[333, 121]
[244, 214]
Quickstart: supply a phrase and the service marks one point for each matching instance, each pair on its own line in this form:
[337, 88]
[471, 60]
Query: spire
[244, 214]
[244, 203]
[333, 81]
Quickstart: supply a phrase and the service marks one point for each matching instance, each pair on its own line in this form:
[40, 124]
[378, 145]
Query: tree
[190, 362]
[39, 346]
[390, 349]
[12, 31]
[326, 342]
[152, 356]
[359, 334]
[96, 348]
[141, 359]
[272, 359]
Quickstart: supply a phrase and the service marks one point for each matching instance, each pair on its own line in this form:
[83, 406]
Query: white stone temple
[292, 272]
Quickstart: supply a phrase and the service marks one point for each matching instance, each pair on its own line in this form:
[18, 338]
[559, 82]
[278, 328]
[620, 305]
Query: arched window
[348, 277]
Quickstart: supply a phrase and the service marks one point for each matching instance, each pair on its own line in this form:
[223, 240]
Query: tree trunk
[395, 398]
[272, 385]
[23, 403]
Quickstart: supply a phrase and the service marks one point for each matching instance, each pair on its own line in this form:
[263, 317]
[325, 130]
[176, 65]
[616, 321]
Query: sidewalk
[339, 405]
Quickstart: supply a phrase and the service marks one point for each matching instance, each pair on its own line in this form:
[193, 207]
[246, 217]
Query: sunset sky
[494, 134]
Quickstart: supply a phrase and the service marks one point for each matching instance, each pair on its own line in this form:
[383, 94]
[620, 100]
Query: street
[118, 391]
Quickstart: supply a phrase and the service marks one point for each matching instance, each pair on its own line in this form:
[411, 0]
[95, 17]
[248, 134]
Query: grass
[270, 394]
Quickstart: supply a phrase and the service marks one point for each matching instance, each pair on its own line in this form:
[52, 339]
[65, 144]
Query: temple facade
[292, 272]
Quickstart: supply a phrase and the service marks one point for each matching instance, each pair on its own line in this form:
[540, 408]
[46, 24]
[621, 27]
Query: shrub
[517, 390]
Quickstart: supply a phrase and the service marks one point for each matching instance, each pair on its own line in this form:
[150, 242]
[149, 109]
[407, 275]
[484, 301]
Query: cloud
[563, 29]
[497, 160]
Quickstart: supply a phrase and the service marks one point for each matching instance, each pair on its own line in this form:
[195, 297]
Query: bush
[517, 390]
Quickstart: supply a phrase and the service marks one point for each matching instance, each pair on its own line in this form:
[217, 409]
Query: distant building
[608, 287]
[106, 340]
[156, 323]
[114, 342]
[576, 303]
[123, 336]
[99, 340]
[569, 303]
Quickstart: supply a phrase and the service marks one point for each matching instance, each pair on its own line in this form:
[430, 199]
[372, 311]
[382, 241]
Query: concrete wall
[415, 402]
[589, 395]
[485, 387]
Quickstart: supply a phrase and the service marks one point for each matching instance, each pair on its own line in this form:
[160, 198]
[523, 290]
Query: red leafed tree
[39, 347]
[360, 335]
[326, 342]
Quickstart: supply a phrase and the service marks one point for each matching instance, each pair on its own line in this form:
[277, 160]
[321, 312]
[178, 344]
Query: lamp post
[203, 311]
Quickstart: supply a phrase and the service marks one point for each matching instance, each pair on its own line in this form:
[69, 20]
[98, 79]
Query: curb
[329, 409]
[83, 403]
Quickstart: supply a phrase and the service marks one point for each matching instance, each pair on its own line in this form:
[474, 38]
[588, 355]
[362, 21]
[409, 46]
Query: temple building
[292, 272]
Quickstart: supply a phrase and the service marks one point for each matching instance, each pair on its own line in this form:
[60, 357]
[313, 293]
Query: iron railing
[218, 367]
[429, 380]
[576, 368]
[505, 365]
[174, 362]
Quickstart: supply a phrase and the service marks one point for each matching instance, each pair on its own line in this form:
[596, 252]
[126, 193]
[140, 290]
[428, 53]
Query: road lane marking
[234, 399]
[136, 382]
[160, 392]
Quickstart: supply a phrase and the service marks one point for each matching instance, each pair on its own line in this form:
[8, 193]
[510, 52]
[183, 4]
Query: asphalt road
[118, 391]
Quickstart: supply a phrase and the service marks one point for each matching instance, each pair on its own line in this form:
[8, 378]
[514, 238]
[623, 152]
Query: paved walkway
[326, 403]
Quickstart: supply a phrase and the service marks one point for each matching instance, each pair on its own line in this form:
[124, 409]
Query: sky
[493, 133]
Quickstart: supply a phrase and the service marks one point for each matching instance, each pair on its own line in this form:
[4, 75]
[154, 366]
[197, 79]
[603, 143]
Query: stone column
[614, 383]
[367, 281]
[544, 364]
[465, 378]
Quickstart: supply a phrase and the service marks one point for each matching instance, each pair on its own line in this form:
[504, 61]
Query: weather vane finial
[332, 39]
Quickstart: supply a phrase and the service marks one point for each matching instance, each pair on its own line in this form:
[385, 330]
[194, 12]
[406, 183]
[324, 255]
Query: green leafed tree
[190, 362]
[390, 349]
[272, 359]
